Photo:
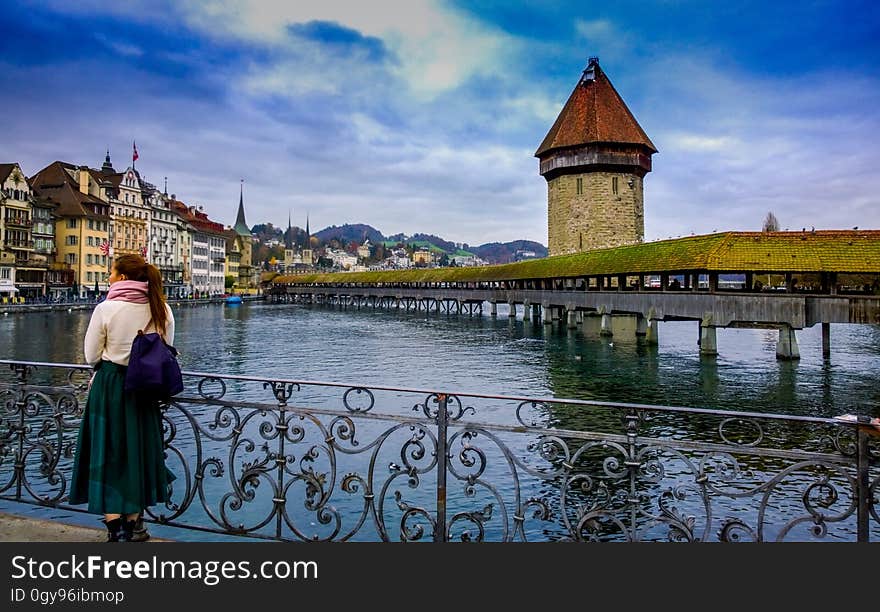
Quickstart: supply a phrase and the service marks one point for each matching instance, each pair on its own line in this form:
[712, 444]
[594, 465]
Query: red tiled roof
[594, 113]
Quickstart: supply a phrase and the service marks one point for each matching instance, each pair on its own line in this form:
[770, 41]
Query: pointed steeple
[241, 227]
[288, 235]
[107, 168]
[308, 233]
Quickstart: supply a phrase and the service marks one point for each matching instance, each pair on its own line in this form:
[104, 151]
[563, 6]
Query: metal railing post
[20, 405]
[442, 419]
[863, 485]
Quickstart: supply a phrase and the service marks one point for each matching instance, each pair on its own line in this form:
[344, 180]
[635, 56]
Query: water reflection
[499, 355]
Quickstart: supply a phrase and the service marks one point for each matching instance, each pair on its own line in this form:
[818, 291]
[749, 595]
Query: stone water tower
[595, 158]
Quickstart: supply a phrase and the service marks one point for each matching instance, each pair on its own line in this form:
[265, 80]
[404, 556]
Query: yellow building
[422, 257]
[81, 227]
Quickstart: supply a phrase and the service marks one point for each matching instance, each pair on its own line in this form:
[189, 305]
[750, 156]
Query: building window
[71, 223]
[5, 273]
[70, 258]
[614, 185]
[71, 241]
[89, 259]
[580, 186]
[88, 276]
[91, 224]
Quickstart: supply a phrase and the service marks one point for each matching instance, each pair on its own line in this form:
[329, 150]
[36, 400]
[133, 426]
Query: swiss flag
[134, 151]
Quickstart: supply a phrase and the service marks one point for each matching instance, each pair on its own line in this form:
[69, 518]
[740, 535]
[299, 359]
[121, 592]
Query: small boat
[233, 299]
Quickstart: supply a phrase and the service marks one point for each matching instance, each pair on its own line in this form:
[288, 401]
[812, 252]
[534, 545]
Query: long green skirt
[119, 466]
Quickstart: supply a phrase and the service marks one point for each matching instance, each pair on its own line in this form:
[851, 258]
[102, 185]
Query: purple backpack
[152, 368]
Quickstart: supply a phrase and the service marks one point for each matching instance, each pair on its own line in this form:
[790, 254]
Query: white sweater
[113, 326]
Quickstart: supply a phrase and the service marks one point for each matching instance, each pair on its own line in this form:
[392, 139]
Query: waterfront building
[81, 228]
[20, 275]
[129, 210]
[206, 250]
[594, 158]
[185, 233]
[233, 256]
[164, 253]
[248, 275]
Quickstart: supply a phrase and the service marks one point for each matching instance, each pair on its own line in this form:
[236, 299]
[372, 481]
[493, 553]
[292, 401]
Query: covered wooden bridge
[785, 280]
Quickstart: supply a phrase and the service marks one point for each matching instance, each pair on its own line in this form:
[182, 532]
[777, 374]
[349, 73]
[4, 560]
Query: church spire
[108, 167]
[241, 227]
[288, 235]
[308, 233]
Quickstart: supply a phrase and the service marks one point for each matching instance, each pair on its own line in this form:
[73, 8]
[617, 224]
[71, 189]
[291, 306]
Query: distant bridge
[783, 280]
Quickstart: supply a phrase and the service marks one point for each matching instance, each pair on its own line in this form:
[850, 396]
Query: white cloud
[437, 48]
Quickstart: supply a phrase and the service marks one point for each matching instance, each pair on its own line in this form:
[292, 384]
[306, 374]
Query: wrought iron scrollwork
[338, 469]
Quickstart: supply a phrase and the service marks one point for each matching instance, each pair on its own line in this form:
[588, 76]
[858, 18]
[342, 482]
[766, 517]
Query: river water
[479, 354]
[498, 356]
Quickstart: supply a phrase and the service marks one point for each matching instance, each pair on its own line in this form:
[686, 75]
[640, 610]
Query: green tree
[228, 282]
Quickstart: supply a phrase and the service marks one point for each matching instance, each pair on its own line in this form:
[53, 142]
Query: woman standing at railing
[119, 468]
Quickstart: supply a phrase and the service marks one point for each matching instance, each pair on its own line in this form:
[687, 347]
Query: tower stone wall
[594, 216]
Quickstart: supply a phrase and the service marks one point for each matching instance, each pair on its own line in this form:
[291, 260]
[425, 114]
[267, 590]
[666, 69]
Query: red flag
[105, 248]
[144, 252]
[134, 152]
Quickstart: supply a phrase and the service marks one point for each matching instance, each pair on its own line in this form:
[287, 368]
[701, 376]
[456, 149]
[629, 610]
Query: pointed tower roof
[594, 113]
[288, 235]
[241, 227]
[107, 168]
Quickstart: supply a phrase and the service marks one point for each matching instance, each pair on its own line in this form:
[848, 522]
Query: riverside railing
[287, 459]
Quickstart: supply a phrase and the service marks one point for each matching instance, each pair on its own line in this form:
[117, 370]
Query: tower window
[614, 185]
[580, 186]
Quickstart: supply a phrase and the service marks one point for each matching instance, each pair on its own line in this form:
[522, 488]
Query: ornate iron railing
[303, 460]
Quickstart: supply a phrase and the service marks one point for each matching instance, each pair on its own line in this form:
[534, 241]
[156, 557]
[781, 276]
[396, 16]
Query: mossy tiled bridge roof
[833, 251]
[828, 265]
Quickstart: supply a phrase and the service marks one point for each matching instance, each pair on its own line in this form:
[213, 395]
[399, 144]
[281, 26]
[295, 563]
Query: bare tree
[771, 223]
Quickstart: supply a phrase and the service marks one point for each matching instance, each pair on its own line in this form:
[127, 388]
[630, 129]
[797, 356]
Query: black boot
[127, 531]
[140, 533]
[114, 529]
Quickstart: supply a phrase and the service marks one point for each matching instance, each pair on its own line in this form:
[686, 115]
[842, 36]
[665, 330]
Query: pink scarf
[129, 291]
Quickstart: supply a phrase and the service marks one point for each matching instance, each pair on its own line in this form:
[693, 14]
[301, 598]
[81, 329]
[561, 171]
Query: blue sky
[424, 116]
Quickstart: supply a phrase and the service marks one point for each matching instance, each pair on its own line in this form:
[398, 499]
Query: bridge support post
[527, 314]
[579, 317]
[546, 315]
[787, 346]
[512, 313]
[826, 340]
[536, 311]
[570, 315]
[652, 334]
[641, 326]
[494, 310]
[605, 327]
[708, 340]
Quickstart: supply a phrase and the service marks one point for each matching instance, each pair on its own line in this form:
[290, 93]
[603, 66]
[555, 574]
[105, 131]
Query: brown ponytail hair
[135, 268]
